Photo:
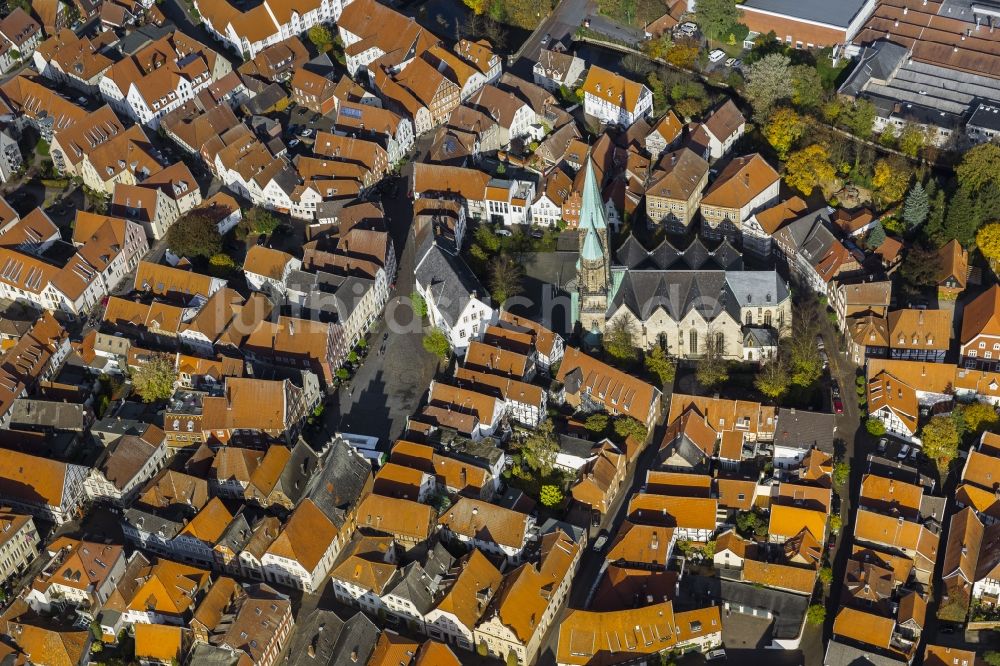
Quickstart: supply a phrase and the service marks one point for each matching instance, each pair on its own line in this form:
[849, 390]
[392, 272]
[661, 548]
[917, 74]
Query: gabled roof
[477, 580]
[683, 512]
[580, 373]
[305, 537]
[740, 182]
[920, 329]
[862, 627]
[781, 576]
[982, 315]
[486, 522]
[954, 260]
[678, 175]
[614, 88]
[886, 391]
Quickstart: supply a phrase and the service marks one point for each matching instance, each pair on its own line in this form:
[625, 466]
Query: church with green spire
[688, 301]
[593, 270]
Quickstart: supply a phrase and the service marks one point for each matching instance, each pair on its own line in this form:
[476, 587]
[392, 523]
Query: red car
[838, 406]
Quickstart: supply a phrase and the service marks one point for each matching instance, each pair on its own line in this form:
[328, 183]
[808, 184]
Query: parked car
[600, 541]
[715, 655]
[819, 342]
[503, 232]
[293, 143]
[546, 38]
[831, 541]
[838, 406]
[537, 234]
[825, 358]
[903, 452]
[730, 62]
[882, 444]
[307, 132]
[716, 55]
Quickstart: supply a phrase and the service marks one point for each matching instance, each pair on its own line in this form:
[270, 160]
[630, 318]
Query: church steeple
[593, 276]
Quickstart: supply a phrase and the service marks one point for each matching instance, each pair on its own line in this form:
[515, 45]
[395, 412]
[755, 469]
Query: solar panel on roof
[351, 113]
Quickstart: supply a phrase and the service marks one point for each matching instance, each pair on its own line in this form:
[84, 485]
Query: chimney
[746, 180]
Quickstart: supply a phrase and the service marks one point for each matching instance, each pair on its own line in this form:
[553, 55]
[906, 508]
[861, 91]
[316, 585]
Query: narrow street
[855, 444]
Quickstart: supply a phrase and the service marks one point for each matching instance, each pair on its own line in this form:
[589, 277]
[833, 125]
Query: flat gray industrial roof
[831, 12]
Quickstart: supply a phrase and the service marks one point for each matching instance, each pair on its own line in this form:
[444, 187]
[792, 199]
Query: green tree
[767, 82]
[596, 422]
[888, 137]
[261, 221]
[626, 426]
[750, 524]
[836, 523]
[912, 140]
[537, 452]
[418, 304]
[988, 241]
[194, 235]
[809, 168]
[935, 217]
[805, 360]
[657, 362]
[962, 218]
[978, 416]
[807, 87]
[343, 374]
[486, 239]
[979, 167]
[154, 380]
[842, 471]
[221, 265]
[506, 278]
[916, 206]
[436, 342]
[321, 37]
[875, 427]
[619, 340]
[992, 657]
[891, 178]
[717, 18]
[512, 659]
[683, 53]
[773, 379]
[920, 268]
[859, 118]
[826, 575]
[713, 369]
[816, 614]
[657, 47]
[550, 495]
[782, 129]
[940, 438]
[658, 88]
[876, 236]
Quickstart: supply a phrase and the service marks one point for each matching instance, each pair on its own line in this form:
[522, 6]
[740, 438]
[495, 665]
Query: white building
[615, 100]
[126, 464]
[161, 77]
[453, 296]
[250, 31]
[304, 551]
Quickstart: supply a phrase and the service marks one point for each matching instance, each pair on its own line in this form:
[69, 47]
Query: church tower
[593, 274]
